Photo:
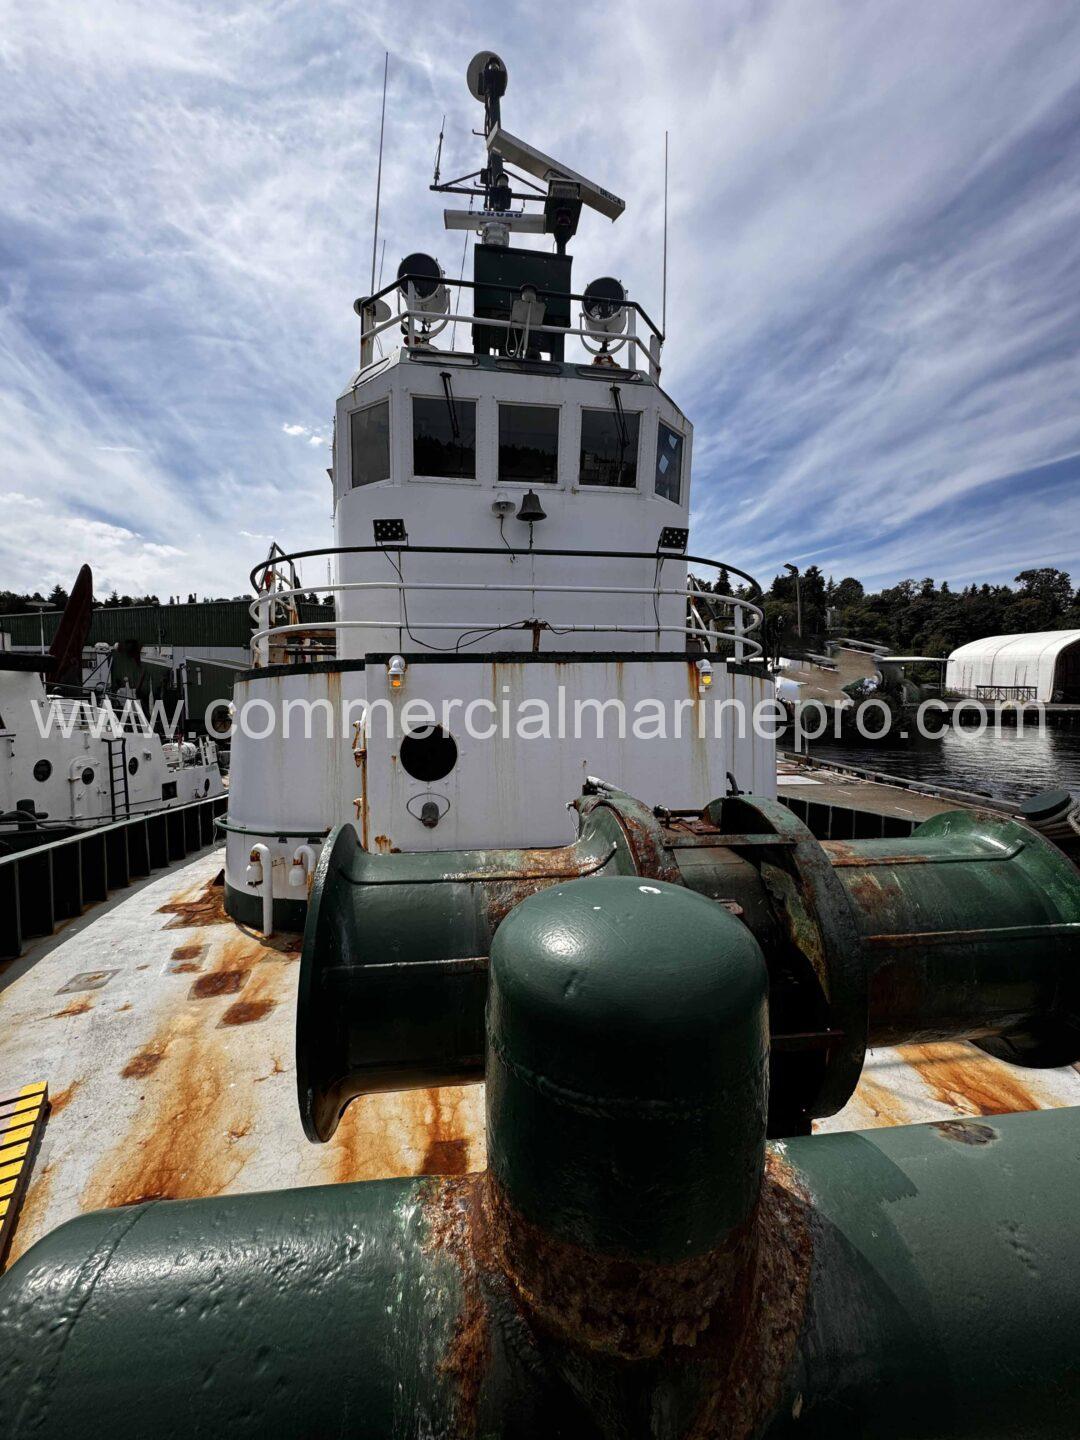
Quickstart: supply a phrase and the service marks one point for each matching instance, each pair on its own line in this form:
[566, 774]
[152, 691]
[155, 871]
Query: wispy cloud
[874, 304]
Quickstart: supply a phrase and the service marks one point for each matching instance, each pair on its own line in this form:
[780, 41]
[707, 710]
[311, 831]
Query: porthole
[42, 770]
[133, 765]
[428, 754]
[87, 776]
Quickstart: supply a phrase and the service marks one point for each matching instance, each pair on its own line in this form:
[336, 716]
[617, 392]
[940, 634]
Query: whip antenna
[438, 152]
[378, 180]
[663, 304]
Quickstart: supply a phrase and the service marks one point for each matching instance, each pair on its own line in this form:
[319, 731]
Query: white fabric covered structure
[1043, 665]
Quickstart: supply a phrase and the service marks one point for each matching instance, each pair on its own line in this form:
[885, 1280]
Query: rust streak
[447, 1152]
[410, 1132]
[885, 1106]
[178, 1146]
[192, 951]
[246, 1012]
[190, 1135]
[220, 982]
[199, 905]
[76, 1007]
[276, 1068]
[968, 1081]
[142, 1064]
[59, 1100]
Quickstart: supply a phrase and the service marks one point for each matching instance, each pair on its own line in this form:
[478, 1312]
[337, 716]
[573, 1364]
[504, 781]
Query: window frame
[474, 401]
[363, 410]
[592, 486]
[558, 407]
[662, 424]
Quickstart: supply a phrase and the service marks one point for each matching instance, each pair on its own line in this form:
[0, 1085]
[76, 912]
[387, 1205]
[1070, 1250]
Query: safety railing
[701, 626]
[45, 881]
[1006, 692]
[97, 714]
[420, 323]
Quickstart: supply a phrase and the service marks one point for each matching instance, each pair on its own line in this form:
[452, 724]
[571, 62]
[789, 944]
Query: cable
[454, 649]
[502, 536]
[461, 276]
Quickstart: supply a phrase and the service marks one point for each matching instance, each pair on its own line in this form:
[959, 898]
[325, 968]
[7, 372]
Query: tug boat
[79, 755]
[510, 521]
[740, 1164]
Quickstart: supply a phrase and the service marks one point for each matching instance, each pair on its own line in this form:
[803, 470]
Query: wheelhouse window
[444, 436]
[609, 446]
[669, 453]
[529, 443]
[369, 440]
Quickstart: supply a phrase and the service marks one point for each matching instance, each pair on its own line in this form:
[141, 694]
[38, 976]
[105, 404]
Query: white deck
[158, 1092]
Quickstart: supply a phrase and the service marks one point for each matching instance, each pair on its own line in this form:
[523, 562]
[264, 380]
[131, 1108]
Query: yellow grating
[22, 1120]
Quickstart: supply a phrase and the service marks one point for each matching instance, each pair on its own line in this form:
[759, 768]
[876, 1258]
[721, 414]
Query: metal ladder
[118, 777]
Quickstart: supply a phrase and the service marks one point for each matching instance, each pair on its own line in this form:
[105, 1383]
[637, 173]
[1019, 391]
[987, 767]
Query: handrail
[698, 626]
[468, 626]
[658, 555]
[401, 281]
[748, 616]
[420, 325]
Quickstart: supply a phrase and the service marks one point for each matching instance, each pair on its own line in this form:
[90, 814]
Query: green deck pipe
[914, 1283]
[382, 927]
[965, 930]
[970, 930]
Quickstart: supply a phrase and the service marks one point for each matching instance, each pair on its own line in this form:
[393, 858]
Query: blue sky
[874, 285]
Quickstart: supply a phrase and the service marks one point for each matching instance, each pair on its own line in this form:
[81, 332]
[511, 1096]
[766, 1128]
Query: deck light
[420, 281]
[704, 670]
[395, 671]
[389, 532]
[673, 537]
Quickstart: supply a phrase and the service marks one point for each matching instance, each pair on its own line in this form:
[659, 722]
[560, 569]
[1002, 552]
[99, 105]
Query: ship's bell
[530, 508]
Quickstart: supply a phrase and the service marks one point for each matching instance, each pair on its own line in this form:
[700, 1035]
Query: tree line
[913, 616]
[13, 602]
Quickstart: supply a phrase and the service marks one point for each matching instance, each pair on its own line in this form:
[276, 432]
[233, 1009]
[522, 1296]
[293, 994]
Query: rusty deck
[165, 1033]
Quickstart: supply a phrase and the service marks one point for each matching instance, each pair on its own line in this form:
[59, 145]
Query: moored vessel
[667, 978]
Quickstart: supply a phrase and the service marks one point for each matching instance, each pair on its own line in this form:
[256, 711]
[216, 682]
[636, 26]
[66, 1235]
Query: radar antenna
[565, 190]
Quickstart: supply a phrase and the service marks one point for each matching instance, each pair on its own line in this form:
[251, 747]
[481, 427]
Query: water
[1008, 764]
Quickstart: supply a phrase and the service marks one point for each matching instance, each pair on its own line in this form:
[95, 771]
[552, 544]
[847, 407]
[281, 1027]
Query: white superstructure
[515, 609]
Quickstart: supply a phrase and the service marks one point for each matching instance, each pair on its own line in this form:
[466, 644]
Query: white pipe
[261, 853]
[304, 857]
